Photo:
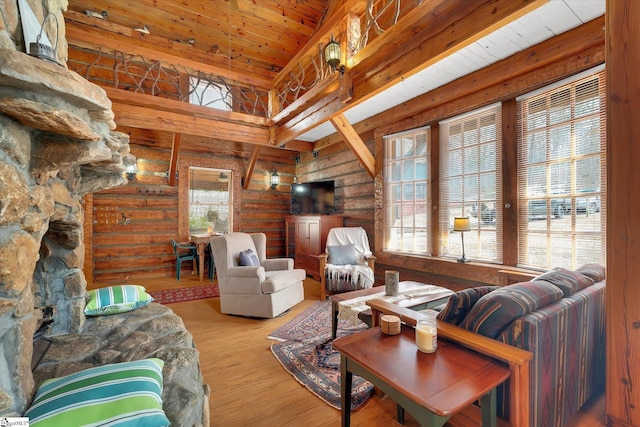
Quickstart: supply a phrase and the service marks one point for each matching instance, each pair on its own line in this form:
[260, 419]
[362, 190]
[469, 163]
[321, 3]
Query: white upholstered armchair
[250, 284]
[348, 263]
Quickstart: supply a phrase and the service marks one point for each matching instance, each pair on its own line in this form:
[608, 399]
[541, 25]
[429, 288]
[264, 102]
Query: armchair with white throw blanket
[348, 263]
[250, 284]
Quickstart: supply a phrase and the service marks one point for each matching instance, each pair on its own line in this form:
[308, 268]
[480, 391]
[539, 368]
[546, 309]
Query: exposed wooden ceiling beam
[317, 113]
[149, 118]
[572, 47]
[246, 179]
[428, 37]
[83, 33]
[457, 24]
[355, 143]
[142, 100]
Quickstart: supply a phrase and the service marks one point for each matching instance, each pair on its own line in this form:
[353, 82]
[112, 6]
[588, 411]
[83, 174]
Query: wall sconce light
[332, 55]
[131, 171]
[462, 224]
[275, 180]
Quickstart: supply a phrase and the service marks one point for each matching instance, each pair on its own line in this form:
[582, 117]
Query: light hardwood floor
[250, 388]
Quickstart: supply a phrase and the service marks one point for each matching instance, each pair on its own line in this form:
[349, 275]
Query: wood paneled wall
[623, 206]
[118, 250]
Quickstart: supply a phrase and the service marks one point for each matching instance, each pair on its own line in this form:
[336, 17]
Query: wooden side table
[432, 387]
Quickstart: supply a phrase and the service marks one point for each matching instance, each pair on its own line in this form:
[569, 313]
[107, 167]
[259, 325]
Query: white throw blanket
[360, 276]
[356, 274]
[356, 236]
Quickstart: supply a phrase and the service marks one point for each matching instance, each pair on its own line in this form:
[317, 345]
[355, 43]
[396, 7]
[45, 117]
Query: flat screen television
[313, 198]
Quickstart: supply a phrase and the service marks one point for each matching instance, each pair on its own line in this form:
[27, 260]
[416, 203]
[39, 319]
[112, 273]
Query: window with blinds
[561, 174]
[471, 183]
[406, 191]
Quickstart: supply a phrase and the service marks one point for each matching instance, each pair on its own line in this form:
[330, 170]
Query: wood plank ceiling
[262, 44]
[252, 38]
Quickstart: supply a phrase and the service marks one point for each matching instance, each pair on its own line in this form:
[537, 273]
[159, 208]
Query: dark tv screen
[313, 198]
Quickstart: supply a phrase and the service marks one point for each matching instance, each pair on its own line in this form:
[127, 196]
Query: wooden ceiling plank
[173, 164]
[267, 42]
[170, 54]
[246, 180]
[355, 143]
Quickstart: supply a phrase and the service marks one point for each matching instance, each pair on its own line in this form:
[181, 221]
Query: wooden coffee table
[415, 303]
[432, 387]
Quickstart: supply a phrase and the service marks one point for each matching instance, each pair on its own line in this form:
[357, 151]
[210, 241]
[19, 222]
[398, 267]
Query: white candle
[427, 336]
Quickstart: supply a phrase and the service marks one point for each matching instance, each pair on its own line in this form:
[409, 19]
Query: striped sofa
[560, 318]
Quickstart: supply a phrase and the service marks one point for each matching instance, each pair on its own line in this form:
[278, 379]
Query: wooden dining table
[201, 240]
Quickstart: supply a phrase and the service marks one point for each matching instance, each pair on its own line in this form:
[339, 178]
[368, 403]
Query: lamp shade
[332, 53]
[275, 180]
[461, 224]
[131, 171]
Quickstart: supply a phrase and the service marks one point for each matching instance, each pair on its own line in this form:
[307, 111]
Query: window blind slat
[561, 179]
[471, 183]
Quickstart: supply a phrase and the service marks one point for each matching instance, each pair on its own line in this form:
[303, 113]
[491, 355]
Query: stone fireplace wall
[57, 143]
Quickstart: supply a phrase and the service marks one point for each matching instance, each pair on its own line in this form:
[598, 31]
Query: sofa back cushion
[461, 302]
[568, 281]
[595, 271]
[496, 310]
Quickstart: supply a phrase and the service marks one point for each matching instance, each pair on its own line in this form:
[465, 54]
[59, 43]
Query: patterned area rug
[306, 352]
[171, 296]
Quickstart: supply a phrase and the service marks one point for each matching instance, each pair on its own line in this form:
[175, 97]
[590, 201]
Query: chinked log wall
[141, 248]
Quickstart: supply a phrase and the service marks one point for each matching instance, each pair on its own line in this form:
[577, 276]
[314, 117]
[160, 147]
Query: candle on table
[427, 336]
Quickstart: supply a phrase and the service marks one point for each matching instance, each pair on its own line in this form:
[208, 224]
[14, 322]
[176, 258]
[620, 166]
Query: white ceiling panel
[555, 16]
[586, 10]
[476, 55]
[503, 43]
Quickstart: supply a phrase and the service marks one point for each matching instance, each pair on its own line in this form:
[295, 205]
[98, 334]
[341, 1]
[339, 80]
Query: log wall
[130, 228]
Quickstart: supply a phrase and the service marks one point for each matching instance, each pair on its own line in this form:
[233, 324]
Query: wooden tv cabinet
[309, 236]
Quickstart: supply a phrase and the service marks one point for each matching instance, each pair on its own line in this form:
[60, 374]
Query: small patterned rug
[306, 352]
[171, 296]
[314, 321]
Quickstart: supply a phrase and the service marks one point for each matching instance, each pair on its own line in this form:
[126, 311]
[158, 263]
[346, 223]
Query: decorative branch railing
[381, 15]
[302, 78]
[135, 73]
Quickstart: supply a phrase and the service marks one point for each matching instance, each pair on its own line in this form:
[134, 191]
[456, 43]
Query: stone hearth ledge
[151, 331]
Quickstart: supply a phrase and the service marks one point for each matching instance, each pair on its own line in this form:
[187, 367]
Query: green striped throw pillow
[116, 299]
[121, 394]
